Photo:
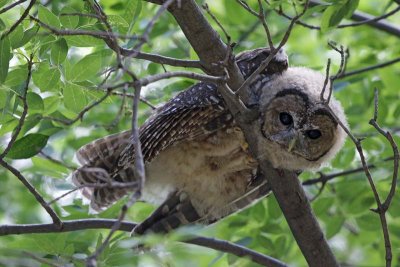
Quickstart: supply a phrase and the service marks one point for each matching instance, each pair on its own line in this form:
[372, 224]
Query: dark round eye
[285, 118]
[313, 134]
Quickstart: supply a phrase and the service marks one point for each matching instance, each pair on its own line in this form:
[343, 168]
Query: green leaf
[69, 21]
[8, 126]
[51, 104]
[273, 208]
[132, 12]
[369, 222]
[16, 37]
[27, 146]
[83, 41]
[74, 97]
[46, 78]
[49, 168]
[28, 35]
[117, 21]
[3, 2]
[3, 97]
[59, 51]
[334, 14]
[30, 122]
[35, 102]
[322, 205]
[5, 56]
[17, 76]
[350, 7]
[2, 25]
[334, 225]
[85, 68]
[47, 17]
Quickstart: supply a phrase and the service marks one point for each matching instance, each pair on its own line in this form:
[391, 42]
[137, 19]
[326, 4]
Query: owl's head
[301, 131]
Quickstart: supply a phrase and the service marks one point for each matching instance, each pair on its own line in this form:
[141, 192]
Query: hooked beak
[292, 143]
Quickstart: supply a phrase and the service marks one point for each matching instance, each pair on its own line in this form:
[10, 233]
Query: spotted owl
[198, 167]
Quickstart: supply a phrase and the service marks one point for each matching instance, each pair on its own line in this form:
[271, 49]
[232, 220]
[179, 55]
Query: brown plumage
[196, 158]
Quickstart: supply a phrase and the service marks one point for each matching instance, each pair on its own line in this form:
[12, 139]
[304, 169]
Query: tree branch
[240, 251]
[86, 224]
[23, 16]
[369, 68]
[372, 21]
[160, 59]
[5, 9]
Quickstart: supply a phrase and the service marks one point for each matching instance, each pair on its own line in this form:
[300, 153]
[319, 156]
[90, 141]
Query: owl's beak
[292, 143]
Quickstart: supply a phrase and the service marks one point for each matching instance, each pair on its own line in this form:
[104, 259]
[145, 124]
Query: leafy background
[65, 79]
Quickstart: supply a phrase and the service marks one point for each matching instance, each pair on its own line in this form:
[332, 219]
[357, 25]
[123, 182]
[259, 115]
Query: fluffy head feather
[302, 132]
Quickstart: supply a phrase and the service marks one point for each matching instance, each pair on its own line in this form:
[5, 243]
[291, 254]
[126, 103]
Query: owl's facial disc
[298, 129]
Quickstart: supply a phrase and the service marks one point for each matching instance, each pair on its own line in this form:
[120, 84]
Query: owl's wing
[193, 113]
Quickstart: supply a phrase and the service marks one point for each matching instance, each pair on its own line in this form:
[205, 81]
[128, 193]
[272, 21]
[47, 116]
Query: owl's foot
[177, 210]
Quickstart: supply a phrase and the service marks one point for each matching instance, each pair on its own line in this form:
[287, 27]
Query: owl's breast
[213, 170]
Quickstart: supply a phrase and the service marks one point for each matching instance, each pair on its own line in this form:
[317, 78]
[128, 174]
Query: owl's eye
[285, 118]
[313, 134]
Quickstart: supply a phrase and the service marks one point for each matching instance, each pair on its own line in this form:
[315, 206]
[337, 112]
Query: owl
[198, 166]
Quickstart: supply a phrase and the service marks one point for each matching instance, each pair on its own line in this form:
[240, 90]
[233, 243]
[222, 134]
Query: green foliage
[67, 71]
[27, 146]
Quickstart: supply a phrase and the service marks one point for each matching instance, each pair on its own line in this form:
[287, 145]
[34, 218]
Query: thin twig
[80, 15]
[207, 9]
[21, 120]
[81, 113]
[117, 118]
[381, 208]
[112, 184]
[142, 99]
[56, 220]
[56, 161]
[262, 18]
[5, 9]
[74, 32]
[160, 59]
[150, 24]
[191, 75]
[369, 68]
[238, 250]
[92, 259]
[363, 19]
[273, 52]
[23, 16]
[40, 259]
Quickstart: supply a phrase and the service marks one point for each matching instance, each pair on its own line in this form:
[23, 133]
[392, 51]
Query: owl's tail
[96, 177]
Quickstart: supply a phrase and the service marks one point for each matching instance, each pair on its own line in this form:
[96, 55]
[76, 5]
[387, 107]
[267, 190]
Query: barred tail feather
[96, 177]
